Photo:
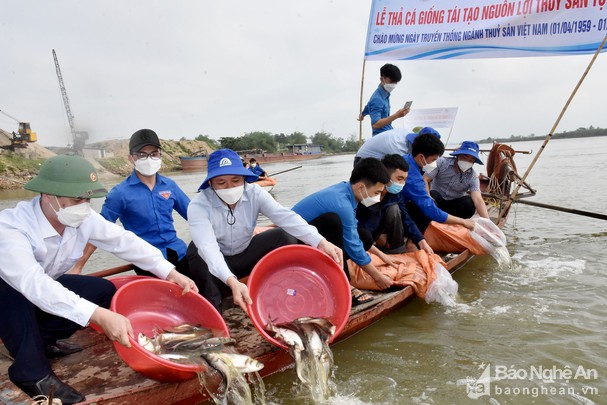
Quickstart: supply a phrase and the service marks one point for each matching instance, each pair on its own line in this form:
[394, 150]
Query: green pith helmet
[67, 176]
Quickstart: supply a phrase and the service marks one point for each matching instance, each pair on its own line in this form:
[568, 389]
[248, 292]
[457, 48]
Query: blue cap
[468, 148]
[429, 130]
[425, 130]
[226, 162]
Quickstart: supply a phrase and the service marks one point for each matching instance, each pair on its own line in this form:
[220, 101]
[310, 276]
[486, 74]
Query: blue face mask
[395, 187]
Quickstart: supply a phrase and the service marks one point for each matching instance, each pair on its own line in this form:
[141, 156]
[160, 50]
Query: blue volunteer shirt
[369, 218]
[378, 107]
[338, 199]
[257, 170]
[149, 214]
[415, 190]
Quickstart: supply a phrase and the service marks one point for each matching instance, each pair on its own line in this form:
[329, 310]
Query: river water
[533, 333]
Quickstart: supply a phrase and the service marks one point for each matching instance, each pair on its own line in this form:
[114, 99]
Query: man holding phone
[378, 107]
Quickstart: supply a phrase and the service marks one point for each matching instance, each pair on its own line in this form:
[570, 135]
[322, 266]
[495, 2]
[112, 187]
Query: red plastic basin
[152, 303]
[118, 282]
[296, 281]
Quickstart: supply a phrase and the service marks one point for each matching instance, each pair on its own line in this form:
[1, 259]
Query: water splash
[237, 391]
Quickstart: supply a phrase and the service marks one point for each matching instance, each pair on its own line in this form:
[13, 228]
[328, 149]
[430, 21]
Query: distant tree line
[273, 143]
[578, 133]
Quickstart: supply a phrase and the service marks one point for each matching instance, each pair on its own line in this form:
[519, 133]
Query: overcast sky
[226, 68]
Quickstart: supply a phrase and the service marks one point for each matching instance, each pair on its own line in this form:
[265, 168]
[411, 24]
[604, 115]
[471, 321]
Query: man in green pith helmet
[39, 304]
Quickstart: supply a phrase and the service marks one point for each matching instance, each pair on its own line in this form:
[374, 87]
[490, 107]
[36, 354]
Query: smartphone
[408, 104]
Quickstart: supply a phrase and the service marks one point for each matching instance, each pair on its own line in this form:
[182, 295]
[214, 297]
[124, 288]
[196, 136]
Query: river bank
[19, 166]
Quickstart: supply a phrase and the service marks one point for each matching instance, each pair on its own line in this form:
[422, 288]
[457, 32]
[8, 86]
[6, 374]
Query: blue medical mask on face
[395, 187]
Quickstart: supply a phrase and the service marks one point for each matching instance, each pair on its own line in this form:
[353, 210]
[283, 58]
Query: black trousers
[26, 330]
[462, 207]
[418, 216]
[330, 226]
[241, 264]
[391, 224]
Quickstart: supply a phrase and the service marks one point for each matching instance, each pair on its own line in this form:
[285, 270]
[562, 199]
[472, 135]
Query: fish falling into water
[189, 344]
[307, 339]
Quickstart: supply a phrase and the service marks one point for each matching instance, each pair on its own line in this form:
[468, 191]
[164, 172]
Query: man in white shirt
[394, 141]
[39, 303]
[222, 221]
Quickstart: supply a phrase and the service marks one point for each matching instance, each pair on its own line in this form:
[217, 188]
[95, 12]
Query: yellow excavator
[22, 137]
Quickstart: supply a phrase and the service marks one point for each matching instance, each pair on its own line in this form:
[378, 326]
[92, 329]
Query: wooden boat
[193, 163]
[267, 183]
[100, 374]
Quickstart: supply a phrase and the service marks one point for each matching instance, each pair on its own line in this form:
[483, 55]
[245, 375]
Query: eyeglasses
[142, 155]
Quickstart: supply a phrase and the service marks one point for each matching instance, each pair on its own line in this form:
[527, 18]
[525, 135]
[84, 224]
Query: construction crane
[22, 137]
[79, 137]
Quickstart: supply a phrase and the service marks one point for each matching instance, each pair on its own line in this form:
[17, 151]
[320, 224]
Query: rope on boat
[558, 120]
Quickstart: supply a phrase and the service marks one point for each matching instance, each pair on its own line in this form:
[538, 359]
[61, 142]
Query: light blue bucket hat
[226, 162]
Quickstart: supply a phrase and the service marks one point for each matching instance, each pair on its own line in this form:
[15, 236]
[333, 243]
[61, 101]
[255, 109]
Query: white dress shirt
[34, 255]
[214, 237]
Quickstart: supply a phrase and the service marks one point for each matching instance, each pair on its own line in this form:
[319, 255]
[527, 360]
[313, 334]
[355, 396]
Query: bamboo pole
[558, 120]
[523, 152]
[112, 271]
[564, 209]
[360, 106]
[284, 171]
[449, 137]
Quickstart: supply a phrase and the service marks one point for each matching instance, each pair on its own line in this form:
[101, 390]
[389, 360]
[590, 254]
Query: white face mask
[253, 164]
[72, 216]
[148, 166]
[428, 167]
[389, 87]
[464, 166]
[369, 201]
[230, 195]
